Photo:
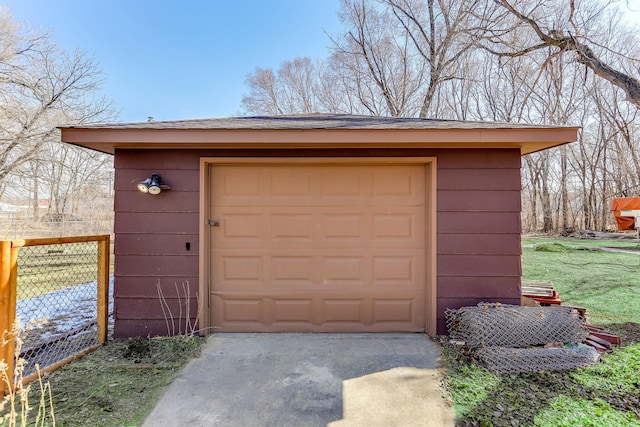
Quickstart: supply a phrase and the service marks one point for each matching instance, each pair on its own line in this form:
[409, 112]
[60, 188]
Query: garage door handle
[213, 223]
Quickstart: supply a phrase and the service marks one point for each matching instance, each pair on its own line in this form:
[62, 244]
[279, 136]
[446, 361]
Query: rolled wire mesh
[494, 324]
[57, 292]
[507, 338]
[516, 360]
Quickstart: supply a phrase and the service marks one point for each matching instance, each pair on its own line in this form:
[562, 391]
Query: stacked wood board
[543, 292]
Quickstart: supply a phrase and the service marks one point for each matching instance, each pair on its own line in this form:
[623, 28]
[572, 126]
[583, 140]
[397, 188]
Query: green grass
[603, 282]
[566, 412]
[470, 385]
[607, 394]
[618, 372]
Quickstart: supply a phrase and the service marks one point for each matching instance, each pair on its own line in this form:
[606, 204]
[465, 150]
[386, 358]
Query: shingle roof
[316, 131]
[311, 121]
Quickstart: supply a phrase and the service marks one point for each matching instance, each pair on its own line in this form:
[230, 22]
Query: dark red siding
[156, 283]
[478, 231]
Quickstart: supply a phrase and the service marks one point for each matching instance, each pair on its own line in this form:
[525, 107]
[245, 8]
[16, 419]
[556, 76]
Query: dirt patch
[120, 383]
[629, 332]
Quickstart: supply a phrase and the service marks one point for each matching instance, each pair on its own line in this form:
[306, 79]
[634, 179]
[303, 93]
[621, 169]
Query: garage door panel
[405, 228]
[343, 310]
[296, 271]
[290, 312]
[239, 271]
[372, 268]
[293, 310]
[318, 248]
[242, 267]
[308, 228]
[245, 226]
[295, 184]
[396, 270]
[341, 187]
[318, 185]
[389, 310]
[292, 226]
[395, 185]
[238, 309]
[238, 187]
[339, 226]
[345, 270]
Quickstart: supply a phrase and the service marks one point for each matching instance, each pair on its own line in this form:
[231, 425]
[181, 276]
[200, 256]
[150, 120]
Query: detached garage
[313, 223]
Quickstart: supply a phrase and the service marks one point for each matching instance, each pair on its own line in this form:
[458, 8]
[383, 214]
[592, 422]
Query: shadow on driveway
[335, 380]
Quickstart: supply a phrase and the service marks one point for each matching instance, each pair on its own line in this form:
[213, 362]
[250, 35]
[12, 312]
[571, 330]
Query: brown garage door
[318, 248]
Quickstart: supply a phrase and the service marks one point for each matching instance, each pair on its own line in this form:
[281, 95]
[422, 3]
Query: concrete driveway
[335, 380]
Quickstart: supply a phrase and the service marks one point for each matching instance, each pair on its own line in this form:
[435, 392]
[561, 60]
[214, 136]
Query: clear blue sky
[183, 59]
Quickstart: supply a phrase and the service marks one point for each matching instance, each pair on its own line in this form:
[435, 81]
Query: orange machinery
[627, 212]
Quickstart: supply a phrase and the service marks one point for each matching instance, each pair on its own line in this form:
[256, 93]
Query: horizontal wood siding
[478, 229]
[147, 327]
[481, 201]
[474, 287]
[483, 265]
[147, 287]
[174, 309]
[479, 244]
[157, 243]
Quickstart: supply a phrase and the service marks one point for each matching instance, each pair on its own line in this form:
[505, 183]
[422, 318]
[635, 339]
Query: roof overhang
[528, 140]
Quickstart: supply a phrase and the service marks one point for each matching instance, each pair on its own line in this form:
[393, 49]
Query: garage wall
[152, 233]
[478, 231]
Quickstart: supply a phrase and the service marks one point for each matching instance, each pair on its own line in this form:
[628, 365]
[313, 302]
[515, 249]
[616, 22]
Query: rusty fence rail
[58, 288]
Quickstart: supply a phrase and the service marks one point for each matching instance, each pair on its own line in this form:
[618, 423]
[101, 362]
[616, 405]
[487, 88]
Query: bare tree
[69, 172]
[393, 59]
[264, 97]
[378, 56]
[293, 88]
[298, 80]
[41, 87]
[408, 49]
[443, 32]
[565, 27]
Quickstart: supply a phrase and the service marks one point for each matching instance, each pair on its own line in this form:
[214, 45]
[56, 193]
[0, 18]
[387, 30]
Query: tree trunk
[35, 202]
[564, 192]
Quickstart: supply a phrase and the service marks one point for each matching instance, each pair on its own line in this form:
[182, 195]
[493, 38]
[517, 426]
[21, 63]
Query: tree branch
[585, 55]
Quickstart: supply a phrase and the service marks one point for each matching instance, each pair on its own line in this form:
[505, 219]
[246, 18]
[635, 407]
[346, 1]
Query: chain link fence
[62, 295]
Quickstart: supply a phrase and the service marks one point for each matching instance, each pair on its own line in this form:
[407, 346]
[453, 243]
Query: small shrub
[552, 247]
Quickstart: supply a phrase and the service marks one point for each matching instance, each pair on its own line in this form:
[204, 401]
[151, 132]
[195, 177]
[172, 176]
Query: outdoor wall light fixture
[152, 185]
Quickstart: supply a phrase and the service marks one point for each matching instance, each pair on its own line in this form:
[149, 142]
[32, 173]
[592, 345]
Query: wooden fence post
[103, 289]
[8, 277]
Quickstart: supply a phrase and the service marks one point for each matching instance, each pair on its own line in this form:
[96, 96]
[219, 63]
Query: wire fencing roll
[509, 338]
[506, 360]
[494, 324]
